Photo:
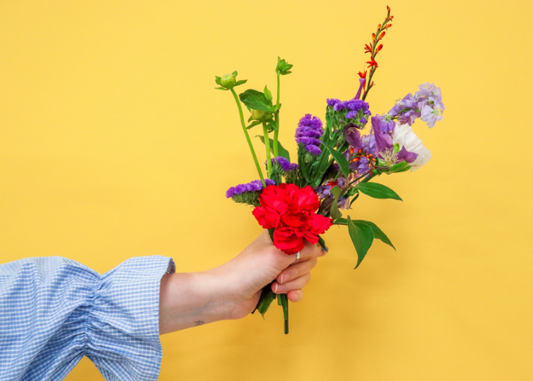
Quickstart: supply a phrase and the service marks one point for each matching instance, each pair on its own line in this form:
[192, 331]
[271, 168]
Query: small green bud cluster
[228, 81]
[283, 67]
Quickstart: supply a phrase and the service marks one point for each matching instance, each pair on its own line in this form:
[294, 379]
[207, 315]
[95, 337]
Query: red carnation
[291, 212]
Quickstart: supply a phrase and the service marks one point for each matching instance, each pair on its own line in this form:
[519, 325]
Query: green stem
[276, 118]
[267, 146]
[248, 138]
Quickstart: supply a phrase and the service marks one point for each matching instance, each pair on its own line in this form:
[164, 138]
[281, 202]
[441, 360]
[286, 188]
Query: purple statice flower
[253, 186]
[332, 102]
[308, 133]
[354, 110]
[285, 164]
[313, 150]
[351, 115]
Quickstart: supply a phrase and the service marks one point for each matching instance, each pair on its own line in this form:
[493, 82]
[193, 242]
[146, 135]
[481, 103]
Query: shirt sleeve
[54, 311]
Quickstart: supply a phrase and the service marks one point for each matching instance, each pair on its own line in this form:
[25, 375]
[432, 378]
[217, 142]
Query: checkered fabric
[54, 311]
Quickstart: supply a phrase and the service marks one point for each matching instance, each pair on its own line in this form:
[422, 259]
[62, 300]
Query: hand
[231, 291]
[261, 263]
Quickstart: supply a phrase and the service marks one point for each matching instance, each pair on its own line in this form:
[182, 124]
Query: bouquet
[335, 163]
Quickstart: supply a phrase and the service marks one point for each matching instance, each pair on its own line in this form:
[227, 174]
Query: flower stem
[276, 118]
[267, 146]
[248, 138]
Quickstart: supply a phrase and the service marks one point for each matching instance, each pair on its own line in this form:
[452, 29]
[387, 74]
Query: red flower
[291, 212]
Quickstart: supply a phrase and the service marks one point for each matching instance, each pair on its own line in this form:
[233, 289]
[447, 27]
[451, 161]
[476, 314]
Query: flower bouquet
[335, 164]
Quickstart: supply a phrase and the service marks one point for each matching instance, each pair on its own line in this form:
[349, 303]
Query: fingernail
[281, 278]
[276, 288]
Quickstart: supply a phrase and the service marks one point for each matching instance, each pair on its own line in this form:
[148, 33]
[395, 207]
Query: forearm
[191, 299]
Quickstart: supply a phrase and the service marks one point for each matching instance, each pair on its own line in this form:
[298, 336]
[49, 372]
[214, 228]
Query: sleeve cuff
[123, 325]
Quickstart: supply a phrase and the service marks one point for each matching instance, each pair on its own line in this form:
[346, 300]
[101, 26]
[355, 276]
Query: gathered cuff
[122, 326]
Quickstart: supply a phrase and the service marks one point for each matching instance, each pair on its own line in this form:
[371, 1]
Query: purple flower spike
[285, 164]
[308, 133]
[332, 102]
[253, 186]
[313, 150]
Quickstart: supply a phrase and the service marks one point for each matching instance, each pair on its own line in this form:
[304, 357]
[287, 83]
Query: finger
[309, 251]
[295, 284]
[295, 295]
[296, 271]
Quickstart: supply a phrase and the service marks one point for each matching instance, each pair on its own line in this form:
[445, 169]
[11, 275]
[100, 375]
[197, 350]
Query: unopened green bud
[283, 67]
[228, 81]
[258, 114]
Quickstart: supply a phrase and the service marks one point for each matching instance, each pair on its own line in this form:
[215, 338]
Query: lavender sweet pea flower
[430, 102]
[431, 115]
[361, 85]
[353, 137]
[323, 191]
[383, 140]
[360, 165]
[431, 93]
[369, 144]
[406, 110]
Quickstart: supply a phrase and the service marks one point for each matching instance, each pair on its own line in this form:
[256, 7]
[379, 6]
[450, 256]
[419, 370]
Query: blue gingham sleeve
[54, 311]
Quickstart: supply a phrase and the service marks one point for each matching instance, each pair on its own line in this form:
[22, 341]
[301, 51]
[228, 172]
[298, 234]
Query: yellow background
[114, 143]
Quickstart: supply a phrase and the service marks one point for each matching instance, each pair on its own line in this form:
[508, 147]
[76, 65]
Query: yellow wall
[114, 143]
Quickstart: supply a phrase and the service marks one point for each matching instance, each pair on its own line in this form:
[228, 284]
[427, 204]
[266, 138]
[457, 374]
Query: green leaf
[268, 94]
[334, 211]
[253, 124]
[377, 191]
[362, 238]
[322, 243]
[399, 167]
[221, 88]
[274, 125]
[340, 159]
[378, 233]
[281, 151]
[256, 100]
[240, 82]
[217, 80]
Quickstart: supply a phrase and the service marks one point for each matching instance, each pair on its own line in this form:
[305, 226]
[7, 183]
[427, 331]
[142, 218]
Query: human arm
[232, 290]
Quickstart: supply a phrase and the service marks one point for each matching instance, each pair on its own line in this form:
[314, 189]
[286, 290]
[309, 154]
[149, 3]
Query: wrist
[192, 299]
